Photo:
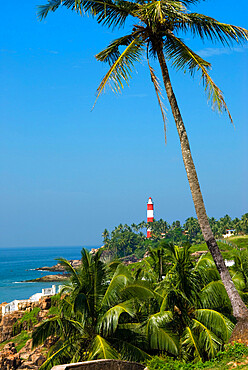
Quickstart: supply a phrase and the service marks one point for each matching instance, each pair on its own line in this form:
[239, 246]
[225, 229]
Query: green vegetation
[240, 241]
[237, 353]
[170, 304]
[20, 340]
[27, 321]
[125, 240]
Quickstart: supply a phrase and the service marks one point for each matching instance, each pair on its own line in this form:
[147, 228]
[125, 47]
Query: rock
[25, 351]
[28, 365]
[59, 267]
[37, 359]
[9, 358]
[10, 347]
[7, 325]
[48, 278]
[45, 303]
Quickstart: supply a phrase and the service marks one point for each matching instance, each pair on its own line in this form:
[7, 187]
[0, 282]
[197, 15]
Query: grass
[226, 250]
[20, 340]
[240, 241]
[29, 319]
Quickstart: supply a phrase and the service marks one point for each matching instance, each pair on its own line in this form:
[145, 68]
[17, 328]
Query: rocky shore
[58, 267]
[48, 279]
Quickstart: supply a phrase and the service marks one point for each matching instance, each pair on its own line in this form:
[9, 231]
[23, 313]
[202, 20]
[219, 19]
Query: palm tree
[186, 317]
[155, 33]
[87, 326]
[105, 236]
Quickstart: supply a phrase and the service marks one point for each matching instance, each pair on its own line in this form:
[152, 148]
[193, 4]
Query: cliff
[15, 337]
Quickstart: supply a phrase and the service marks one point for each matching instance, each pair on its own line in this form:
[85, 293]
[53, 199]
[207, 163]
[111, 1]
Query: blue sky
[67, 173]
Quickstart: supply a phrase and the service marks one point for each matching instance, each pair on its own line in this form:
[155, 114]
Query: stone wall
[101, 365]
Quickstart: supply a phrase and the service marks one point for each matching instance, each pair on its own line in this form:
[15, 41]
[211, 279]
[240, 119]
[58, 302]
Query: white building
[14, 305]
[229, 232]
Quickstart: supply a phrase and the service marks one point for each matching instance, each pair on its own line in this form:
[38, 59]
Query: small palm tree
[156, 32]
[87, 326]
[186, 318]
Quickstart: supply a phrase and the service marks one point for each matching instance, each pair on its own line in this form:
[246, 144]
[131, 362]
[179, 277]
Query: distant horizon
[101, 244]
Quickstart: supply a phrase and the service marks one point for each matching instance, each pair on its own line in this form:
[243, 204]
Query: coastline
[18, 272]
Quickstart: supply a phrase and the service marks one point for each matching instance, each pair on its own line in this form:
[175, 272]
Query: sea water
[19, 264]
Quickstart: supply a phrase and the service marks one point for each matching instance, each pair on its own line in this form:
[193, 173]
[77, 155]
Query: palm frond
[118, 282]
[120, 71]
[214, 295]
[45, 329]
[204, 262]
[109, 321]
[139, 290]
[160, 12]
[209, 341]
[130, 352]
[216, 322]
[101, 349]
[157, 88]
[190, 344]
[81, 304]
[55, 358]
[112, 53]
[184, 58]
[209, 28]
[107, 12]
[67, 265]
[158, 336]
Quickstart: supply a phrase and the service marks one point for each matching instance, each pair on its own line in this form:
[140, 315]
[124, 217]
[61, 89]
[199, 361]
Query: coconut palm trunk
[240, 311]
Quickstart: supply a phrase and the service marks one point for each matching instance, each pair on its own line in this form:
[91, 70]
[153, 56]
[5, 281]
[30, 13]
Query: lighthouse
[150, 215]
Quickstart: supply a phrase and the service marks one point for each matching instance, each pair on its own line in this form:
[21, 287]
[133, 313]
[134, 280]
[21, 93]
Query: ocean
[18, 264]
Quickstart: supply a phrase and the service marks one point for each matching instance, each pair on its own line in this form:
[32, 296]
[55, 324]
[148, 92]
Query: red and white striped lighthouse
[150, 215]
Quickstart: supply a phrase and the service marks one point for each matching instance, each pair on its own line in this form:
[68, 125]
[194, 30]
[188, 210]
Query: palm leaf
[209, 341]
[184, 58]
[216, 322]
[161, 12]
[157, 87]
[158, 336]
[190, 343]
[139, 290]
[101, 349]
[107, 12]
[118, 282]
[121, 69]
[214, 295]
[131, 352]
[112, 53]
[109, 321]
[49, 327]
[55, 358]
[207, 27]
[67, 265]
[81, 304]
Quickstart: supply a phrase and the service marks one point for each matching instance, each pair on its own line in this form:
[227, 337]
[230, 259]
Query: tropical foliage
[125, 240]
[173, 305]
[92, 306]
